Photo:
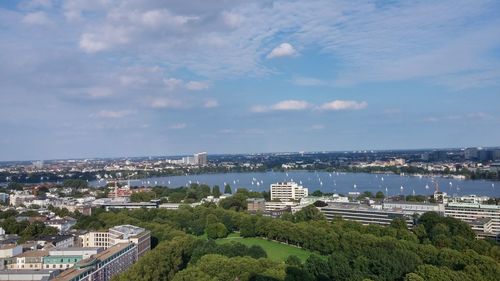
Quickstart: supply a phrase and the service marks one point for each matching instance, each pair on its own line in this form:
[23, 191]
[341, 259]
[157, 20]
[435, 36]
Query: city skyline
[86, 79]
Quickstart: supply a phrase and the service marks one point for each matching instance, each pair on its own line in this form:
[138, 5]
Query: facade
[56, 241]
[288, 191]
[10, 250]
[128, 205]
[66, 258]
[363, 214]
[95, 239]
[31, 260]
[28, 275]
[255, 205]
[470, 213]
[200, 158]
[63, 225]
[102, 266]
[119, 234]
[411, 208]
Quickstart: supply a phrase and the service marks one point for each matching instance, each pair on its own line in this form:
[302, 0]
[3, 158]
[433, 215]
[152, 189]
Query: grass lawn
[274, 250]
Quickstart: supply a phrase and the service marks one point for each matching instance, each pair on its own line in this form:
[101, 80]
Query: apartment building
[288, 191]
[472, 213]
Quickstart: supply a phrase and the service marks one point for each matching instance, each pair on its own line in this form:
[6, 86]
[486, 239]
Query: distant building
[470, 213]
[363, 214]
[10, 250]
[56, 241]
[287, 191]
[28, 275]
[411, 208]
[200, 158]
[63, 225]
[255, 205]
[471, 153]
[4, 197]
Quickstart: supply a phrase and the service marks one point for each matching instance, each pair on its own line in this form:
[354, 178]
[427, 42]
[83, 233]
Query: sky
[107, 78]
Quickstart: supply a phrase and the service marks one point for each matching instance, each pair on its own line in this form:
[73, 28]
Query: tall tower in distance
[200, 158]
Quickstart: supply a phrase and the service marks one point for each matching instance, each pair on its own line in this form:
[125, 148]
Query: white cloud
[36, 18]
[104, 39]
[343, 105]
[308, 81]
[286, 105]
[163, 17]
[165, 103]
[172, 83]
[99, 92]
[318, 127]
[178, 126]
[283, 50]
[112, 114]
[197, 85]
[210, 103]
[232, 20]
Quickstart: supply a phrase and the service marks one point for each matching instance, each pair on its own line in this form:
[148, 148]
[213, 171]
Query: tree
[15, 186]
[308, 213]
[379, 195]
[293, 260]
[227, 189]
[216, 230]
[317, 193]
[399, 223]
[216, 191]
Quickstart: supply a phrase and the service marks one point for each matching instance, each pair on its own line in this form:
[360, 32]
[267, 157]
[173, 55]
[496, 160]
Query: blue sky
[99, 78]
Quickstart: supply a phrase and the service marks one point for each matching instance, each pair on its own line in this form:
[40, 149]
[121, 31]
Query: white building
[200, 158]
[119, 234]
[288, 191]
[10, 250]
[411, 208]
[471, 212]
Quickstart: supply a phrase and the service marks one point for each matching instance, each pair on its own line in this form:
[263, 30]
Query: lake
[390, 184]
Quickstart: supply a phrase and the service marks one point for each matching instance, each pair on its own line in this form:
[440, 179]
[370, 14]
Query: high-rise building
[288, 191]
[471, 153]
[200, 158]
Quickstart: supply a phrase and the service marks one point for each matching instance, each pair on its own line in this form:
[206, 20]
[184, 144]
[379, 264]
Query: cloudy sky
[99, 78]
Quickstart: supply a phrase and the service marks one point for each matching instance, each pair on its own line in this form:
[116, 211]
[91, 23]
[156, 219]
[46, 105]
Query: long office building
[363, 214]
[288, 191]
[474, 214]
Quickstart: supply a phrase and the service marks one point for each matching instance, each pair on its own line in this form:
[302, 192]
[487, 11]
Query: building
[471, 153]
[10, 250]
[28, 275]
[4, 197]
[200, 158]
[288, 191]
[63, 225]
[56, 241]
[66, 258]
[471, 212]
[128, 205]
[363, 214]
[410, 208]
[102, 266]
[255, 205]
[119, 234]
[31, 260]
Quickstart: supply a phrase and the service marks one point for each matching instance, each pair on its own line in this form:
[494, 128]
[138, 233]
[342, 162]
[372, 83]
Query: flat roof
[36, 253]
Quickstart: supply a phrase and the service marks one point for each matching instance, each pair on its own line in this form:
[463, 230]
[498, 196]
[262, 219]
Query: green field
[274, 250]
